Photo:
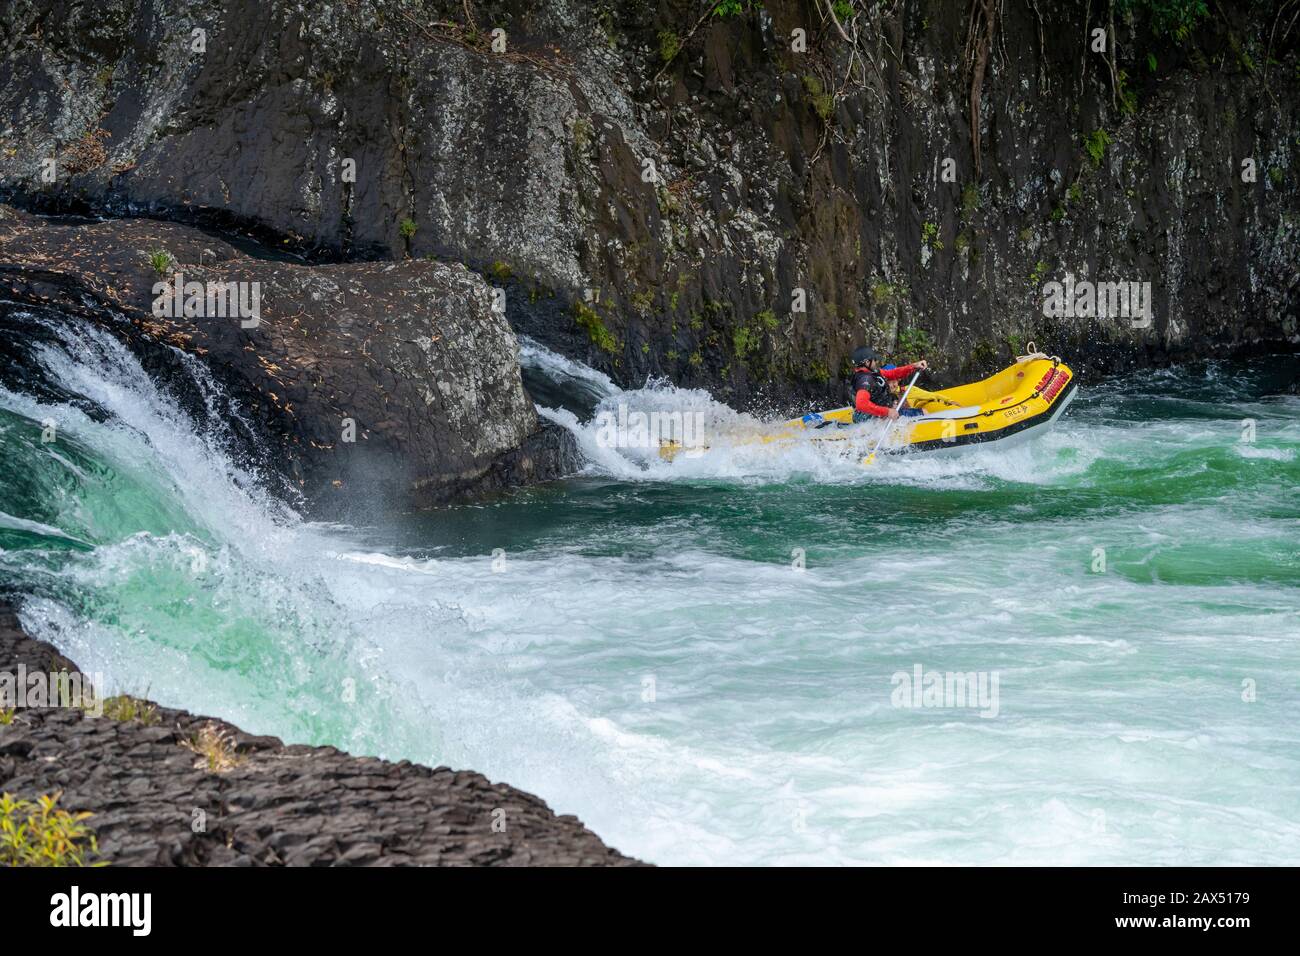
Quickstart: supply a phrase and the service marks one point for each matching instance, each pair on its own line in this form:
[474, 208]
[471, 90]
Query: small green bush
[161, 261]
[744, 340]
[731, 8]
[930, 235]
[40, 834]
[591, 323]
[1095, 144]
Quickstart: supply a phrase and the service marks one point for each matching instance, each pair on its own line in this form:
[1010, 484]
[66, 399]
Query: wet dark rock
[281, 806]
[363, 386]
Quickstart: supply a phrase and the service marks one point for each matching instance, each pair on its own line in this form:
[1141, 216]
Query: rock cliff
[657, 185]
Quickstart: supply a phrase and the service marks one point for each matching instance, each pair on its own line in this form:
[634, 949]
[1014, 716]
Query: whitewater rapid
[702, 661]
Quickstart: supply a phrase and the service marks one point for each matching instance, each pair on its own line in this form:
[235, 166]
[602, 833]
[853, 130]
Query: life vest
[876, 385]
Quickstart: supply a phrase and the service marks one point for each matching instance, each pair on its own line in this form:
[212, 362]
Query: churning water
[703, 659]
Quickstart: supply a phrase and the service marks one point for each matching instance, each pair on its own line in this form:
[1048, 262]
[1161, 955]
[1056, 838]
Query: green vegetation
[930, 235]
[670, 44]
[643, 300]
[40, 834]
[884, 292]
[745, 341]
[970, 200]
[1174, 19]
[1128, 100]
[500, 271]
[914, 344]
[696, 358]
[822, 102]
[1016, 344]
[1095, 144]
[819, 372]
[1039, 271]
[731, 8]
[843, 9]
[7, 716]
[406, 228]
[1075, 192]
[161, 261]
[767, 318]
[1275, 174]
[126, 708]
[590, 323]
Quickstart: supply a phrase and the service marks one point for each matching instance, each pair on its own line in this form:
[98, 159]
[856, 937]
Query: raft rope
[1034, 355]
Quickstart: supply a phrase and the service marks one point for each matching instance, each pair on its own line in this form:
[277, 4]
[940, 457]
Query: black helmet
[865, 354]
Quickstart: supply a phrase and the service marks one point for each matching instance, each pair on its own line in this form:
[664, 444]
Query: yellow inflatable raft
[1015, 404]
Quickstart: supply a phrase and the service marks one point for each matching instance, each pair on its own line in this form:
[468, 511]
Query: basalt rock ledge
[357, 387]
[154, 802]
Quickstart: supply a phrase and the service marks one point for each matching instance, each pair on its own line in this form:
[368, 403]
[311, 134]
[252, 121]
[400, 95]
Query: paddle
[898, 408]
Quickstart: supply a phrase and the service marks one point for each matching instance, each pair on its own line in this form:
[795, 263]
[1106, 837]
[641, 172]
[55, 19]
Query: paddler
[871, 395]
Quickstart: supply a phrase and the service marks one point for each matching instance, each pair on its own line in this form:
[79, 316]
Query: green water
[703, 662]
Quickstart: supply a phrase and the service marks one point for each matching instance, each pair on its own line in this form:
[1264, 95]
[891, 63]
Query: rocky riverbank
[147, 776]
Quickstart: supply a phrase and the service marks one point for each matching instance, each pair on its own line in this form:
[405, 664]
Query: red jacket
[862, 398]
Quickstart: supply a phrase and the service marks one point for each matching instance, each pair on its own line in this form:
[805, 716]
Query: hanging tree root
[979, 40]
